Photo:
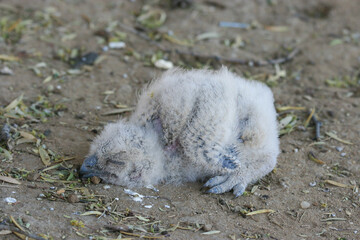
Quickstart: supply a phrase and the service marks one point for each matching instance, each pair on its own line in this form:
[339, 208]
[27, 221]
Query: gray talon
[215, 181]
[215, 190]
[239, 189]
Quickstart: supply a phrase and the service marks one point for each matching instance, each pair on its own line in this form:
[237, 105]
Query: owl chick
[188, 126]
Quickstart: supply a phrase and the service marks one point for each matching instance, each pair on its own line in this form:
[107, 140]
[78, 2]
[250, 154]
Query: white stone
[117, 45]
[305, 204]
[163, 64]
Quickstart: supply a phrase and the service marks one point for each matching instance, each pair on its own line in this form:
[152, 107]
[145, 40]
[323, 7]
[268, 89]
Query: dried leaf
[9, 58]
[142, 218]
[14, 103]
[91, 213]
[287, 108]
[60, 191]
[9, 180]
[177, 41]
[153, 18]
[48, 79]
[334, 136]
[207, 35]
[28, 136]
[306, 123]
[45, 158]
[338, 184]
[260, 212]
[16, 223]
[313, 158]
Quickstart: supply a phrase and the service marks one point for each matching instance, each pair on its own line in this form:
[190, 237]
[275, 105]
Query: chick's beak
[87, 168]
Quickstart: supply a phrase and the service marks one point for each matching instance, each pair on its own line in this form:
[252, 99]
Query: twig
[250, 63]
[15, 229]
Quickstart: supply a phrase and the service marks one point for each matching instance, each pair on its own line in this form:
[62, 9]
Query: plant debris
[312, 157]
[259, 212]
[334, 136]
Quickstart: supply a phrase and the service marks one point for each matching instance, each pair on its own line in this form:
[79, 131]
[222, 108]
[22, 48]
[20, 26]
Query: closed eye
[115, 162]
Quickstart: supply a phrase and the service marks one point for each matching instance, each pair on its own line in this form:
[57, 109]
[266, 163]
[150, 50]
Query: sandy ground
[324, 75]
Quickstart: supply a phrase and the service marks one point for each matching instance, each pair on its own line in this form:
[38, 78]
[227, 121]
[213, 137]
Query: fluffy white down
[196, 124]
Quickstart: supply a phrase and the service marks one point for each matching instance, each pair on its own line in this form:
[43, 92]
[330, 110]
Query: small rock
[339, 149]
[312, 184]
[6, 71]
[33, 176]
[163, 64]
[95, 180]
[207, 227]
[305, 204]
[73, 198]
[117, 45]
[343, 154]
[10, 200]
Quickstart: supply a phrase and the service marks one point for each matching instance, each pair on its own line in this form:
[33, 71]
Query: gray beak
[87, 168]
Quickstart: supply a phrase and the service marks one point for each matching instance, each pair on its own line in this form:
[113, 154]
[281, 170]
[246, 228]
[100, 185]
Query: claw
[215, 190]
[215, 181]
[221, 184]
[239, 189]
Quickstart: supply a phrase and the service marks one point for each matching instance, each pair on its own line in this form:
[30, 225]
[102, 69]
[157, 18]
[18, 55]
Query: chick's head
[124, 154]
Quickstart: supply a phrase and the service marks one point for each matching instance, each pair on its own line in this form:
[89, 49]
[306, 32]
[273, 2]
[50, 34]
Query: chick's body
[195, 125]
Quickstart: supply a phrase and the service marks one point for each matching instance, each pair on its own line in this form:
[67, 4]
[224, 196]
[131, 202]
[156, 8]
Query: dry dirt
[327, 34]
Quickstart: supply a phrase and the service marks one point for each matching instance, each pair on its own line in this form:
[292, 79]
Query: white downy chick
[188, 126]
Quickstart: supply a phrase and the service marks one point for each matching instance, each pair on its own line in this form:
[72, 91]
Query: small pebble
[52, 209]
[148, 206]
[163, 64]
[305, 204]
[6, 71]
[95, 180]
[41, 195]
[312, 184]
[117, 45]
[107, 187]
[296, 150]
[343, 154]
[10, 200]
[73, 198]
[167, 206]
[207, 227]
[339, 149]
